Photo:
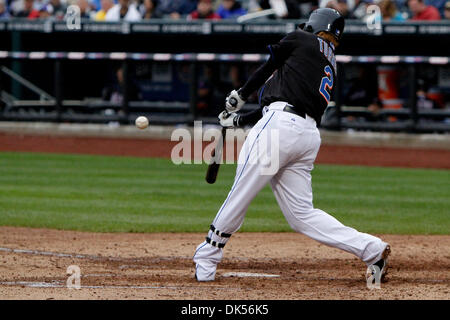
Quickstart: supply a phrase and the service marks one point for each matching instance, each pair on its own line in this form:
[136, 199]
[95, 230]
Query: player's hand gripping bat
[213, 168]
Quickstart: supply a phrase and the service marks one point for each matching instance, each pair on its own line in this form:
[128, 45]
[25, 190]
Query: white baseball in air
[141, 122]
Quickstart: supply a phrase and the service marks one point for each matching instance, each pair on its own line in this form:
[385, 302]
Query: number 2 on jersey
[327, 84]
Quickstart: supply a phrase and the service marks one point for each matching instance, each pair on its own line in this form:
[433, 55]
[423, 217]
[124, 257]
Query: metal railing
[49, 108]
[226, 26]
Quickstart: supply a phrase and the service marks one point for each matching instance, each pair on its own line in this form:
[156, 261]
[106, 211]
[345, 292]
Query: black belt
[291, 109]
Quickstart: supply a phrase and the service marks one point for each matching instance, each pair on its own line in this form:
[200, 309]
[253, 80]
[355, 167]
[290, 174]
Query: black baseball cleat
[381, 265]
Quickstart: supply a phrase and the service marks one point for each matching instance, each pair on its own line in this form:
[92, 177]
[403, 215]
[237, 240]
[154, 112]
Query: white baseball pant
[291, 143]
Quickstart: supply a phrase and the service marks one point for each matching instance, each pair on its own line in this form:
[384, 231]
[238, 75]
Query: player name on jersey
[328, 51]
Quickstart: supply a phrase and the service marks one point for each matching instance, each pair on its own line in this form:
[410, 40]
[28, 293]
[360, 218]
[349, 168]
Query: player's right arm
[278, 54]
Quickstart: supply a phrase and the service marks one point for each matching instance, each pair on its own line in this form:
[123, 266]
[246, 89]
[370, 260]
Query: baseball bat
[213, 167]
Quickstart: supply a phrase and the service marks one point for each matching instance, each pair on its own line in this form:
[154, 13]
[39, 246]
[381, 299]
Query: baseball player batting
[295, 86]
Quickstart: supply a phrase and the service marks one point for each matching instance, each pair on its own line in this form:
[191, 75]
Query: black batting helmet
[325, 19]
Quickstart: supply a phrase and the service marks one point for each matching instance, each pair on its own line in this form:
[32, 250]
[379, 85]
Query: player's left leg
[293, 191]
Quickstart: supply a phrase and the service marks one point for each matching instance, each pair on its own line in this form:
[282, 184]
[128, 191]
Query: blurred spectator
[438, 4]
[55, 8]
[84, 9]
[389, 11]
[351, 4]
[205, 91]
[204, 11]
[124, 10]
[176, 8]
[43, 12]
[423, 99]
[14, 6]
[28, 10]
[148, 10]
[447, 11]
[292, 6]
[363, 92]
[307, 6]
[339, 5]
[252, 6]
[430, 96]
[230, 9]
[96, 5]
[236, 77]
[359, 10]
[421, 11]
[4, 14]
[105, 6]
[113, 91]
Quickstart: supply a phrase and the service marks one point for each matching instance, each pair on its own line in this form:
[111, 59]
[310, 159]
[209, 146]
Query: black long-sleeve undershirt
[249, 118]
[256, 80]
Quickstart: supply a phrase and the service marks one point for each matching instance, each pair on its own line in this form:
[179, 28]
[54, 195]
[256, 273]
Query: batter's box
[249, 275]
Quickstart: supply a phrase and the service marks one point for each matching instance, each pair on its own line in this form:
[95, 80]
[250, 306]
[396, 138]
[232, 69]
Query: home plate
[249, 274]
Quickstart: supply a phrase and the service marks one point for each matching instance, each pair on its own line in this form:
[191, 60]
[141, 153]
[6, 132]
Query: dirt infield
[330, 154]
[33, 262]
[159, 266]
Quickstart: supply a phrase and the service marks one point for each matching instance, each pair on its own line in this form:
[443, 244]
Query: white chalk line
[250, 275]
[117, 259]
[94, 257]
[54, 254]
[30, 284]
[59, 284]
[84, 256]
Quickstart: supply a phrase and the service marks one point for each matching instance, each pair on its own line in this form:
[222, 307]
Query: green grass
[121, 194]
